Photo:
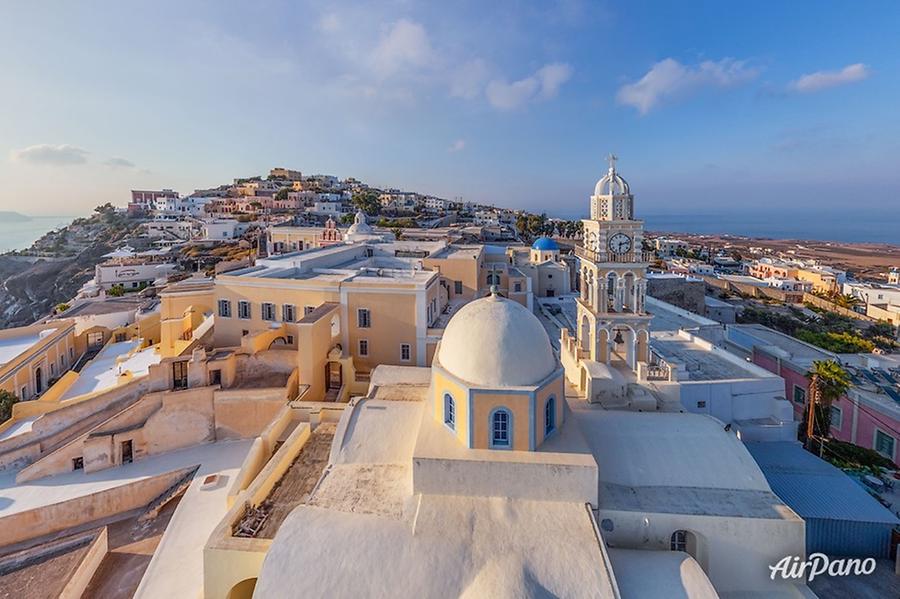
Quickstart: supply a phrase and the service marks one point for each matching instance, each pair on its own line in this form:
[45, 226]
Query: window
[288, 313]
[549, 415]
[501, 434]
[457, 287]
[120, 337]
[884, 444]
[308, 309]
[52, 368]
[290, 340]
[837, 417]
[268, 311]
[449, 411]
[678, 541]
[24, 393]
[364, 347]
[517, 287]
[78, 463]
[404, 352]
[363, 318]
[799, 395]
[243, 309]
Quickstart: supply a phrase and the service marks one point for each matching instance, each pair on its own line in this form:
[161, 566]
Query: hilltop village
[297, 385]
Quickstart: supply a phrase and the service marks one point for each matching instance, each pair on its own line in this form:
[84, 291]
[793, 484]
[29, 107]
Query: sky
[712, 107]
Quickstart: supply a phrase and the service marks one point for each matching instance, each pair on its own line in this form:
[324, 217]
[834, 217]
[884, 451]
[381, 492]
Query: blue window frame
[449, 411]
[501, 429]
[549, 415]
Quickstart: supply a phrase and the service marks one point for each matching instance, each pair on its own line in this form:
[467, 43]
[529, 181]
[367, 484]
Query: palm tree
[828, 382]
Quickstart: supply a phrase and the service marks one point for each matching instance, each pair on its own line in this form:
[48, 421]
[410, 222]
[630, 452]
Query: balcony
[610, 258]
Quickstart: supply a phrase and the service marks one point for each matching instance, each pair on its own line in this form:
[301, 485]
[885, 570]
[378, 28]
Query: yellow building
[387, 301]
[32, 357]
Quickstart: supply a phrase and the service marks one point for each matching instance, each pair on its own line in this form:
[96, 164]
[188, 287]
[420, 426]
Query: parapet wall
[49, 519]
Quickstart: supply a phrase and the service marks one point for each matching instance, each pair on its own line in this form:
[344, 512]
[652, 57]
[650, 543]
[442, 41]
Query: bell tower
[612, 324]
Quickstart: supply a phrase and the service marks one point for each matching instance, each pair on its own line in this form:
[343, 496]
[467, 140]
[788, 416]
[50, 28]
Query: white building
[226, 228]
[181, 230]
[667, 247]
[334, 209]
[873, 293]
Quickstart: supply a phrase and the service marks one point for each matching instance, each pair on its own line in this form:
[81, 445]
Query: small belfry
[612, 323]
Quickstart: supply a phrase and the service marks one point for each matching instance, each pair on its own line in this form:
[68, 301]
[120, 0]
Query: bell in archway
[618, 338]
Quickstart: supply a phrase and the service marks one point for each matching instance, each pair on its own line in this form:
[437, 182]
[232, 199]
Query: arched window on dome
[501, 429]
[493, 279]
[449, 411]
[549, 416]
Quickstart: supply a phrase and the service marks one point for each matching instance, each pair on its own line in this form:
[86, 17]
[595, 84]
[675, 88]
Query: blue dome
[545, 244]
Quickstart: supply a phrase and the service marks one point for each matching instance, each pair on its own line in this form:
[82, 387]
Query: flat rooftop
[398, 262]
[700, 362]
[115, 359]
[667, 317]
[648, 463]
[746, 336]
[12, 347]
[458, 252]
[110, 305]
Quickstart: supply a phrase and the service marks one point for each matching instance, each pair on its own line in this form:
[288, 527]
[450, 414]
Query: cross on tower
[611, 159]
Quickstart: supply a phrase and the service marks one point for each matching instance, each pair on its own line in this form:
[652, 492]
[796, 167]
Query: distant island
[13, 217]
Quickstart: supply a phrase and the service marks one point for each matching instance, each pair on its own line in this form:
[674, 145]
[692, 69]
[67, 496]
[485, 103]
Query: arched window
[549, 415]
[679, 541]
[501, 429]
[449, 411]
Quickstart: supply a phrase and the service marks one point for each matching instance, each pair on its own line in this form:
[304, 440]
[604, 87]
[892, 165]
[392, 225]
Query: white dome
[360, 225]
[612, 184]
[496, 342]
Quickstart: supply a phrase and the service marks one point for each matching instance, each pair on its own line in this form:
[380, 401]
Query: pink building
[868, 415]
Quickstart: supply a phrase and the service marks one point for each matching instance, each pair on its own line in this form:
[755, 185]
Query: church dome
[612, 184]
[496, 342]
[545, 244]
[360, 225]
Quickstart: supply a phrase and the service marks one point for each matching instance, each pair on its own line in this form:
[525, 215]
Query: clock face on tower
[619, 243]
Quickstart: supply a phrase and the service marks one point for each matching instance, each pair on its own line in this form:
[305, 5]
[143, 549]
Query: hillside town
[244, 382]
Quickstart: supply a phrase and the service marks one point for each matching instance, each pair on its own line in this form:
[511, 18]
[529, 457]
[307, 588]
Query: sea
[863, 227]
[19, 235]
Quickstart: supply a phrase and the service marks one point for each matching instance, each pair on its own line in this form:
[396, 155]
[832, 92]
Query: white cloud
[457, 146]
[813, 82]
[543, 84]
[119, 163]
[329, 23]
[49, 154]
[669, 78]
[467, 81]
[405, 45]
[552, 76]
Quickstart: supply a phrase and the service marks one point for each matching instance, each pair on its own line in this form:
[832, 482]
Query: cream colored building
[32, 357]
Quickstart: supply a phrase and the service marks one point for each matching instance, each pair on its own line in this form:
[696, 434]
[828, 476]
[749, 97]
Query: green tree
[7, 401]
[282, 194]
[367, 201]
[116, 291]
[62, 307]
[829, 381]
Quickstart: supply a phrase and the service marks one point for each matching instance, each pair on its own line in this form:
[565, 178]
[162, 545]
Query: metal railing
[609, 257]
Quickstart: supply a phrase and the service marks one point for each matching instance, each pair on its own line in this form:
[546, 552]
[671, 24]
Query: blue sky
[712, 107]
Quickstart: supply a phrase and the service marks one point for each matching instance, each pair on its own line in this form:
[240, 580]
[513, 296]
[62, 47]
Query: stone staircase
[178, 487]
